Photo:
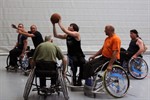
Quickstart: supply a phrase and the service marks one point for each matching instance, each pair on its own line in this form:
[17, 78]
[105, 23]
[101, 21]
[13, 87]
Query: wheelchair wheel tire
[8, 60]
[63, 84]
[116, 82]
[8, 66]
[28, 85]
[138, 68]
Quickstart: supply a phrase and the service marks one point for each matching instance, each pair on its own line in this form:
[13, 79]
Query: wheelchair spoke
[29, 84]
[63, 84]
[138, 68]
[116, 82]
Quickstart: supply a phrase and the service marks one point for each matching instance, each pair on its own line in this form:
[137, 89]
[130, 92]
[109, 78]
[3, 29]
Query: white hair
[48, 38]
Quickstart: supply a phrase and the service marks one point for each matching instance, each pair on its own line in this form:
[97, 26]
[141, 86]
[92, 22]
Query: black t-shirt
[74, 47]
[20, 40]
[37, 39]
[133, 48]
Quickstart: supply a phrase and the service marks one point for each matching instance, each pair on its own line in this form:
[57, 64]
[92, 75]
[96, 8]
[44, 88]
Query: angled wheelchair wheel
[25, 62]
[68, 78]
[63, 84]
[8, 60]
[116, 82]
[28, 85]
[138, 68]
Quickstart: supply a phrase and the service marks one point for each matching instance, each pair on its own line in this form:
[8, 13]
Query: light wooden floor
[12, 86]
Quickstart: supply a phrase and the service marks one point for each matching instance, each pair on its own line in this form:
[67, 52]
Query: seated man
[48, 52]
[109, 52]
[135, 49]
[36, 38]
[19, 49]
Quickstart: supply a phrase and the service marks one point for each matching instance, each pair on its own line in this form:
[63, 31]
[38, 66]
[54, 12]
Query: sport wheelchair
[115, 82]
[136, 67]
[49, 71]
[21, 63]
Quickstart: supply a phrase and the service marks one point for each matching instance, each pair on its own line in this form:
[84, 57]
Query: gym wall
[91, 16]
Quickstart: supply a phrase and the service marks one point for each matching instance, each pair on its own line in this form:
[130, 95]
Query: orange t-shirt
[111, 44]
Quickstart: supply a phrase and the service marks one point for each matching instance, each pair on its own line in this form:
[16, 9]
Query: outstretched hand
[14, 26]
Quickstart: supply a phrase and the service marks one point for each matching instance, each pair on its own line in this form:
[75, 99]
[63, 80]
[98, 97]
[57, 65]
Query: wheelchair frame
[109, 81]
[136, 67]
[21, 63]
[31, 78]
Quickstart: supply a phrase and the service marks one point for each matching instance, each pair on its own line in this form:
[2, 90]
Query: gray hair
[48, 38]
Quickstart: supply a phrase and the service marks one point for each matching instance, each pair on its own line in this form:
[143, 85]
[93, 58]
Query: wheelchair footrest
[88, 91]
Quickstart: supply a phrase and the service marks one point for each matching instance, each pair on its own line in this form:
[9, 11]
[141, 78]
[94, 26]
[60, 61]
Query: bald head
[33, 28]
[109, 30]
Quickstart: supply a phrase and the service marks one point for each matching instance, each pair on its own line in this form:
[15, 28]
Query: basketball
[55, 18]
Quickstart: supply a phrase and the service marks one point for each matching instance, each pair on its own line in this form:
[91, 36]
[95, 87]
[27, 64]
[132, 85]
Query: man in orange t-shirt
[109, 52]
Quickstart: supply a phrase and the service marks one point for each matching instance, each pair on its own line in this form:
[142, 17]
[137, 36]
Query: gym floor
[12, 86]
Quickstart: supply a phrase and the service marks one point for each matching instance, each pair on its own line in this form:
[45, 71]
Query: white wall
[90, 15]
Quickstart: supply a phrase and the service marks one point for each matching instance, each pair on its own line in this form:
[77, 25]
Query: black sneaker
[52, 88]
[43, 90]
[12, 67]
[79, 83]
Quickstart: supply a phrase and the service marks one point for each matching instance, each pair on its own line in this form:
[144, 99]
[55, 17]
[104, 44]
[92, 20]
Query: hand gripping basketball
[55, 18]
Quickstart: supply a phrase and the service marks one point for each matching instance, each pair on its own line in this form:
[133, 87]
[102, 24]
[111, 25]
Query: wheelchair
[21, 63]
[116, 82]
[49, 71]
[136, 67]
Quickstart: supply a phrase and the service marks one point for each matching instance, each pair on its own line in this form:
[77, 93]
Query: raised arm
[60, 36]
[22, 31]
[74, 34]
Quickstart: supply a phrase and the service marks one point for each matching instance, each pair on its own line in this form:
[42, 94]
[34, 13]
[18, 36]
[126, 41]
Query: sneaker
[74, 81]
[52, 88]
[88, 82]
[27, 72]
[7, 67]
[79, 82]
[43, 89]
[12, 67]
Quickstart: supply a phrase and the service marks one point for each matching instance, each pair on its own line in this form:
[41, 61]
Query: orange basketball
[55, 18]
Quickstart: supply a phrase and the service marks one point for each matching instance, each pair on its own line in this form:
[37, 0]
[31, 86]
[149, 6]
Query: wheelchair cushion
[46, 69]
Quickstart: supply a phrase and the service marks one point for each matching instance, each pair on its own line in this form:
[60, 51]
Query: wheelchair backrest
[46, 69]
